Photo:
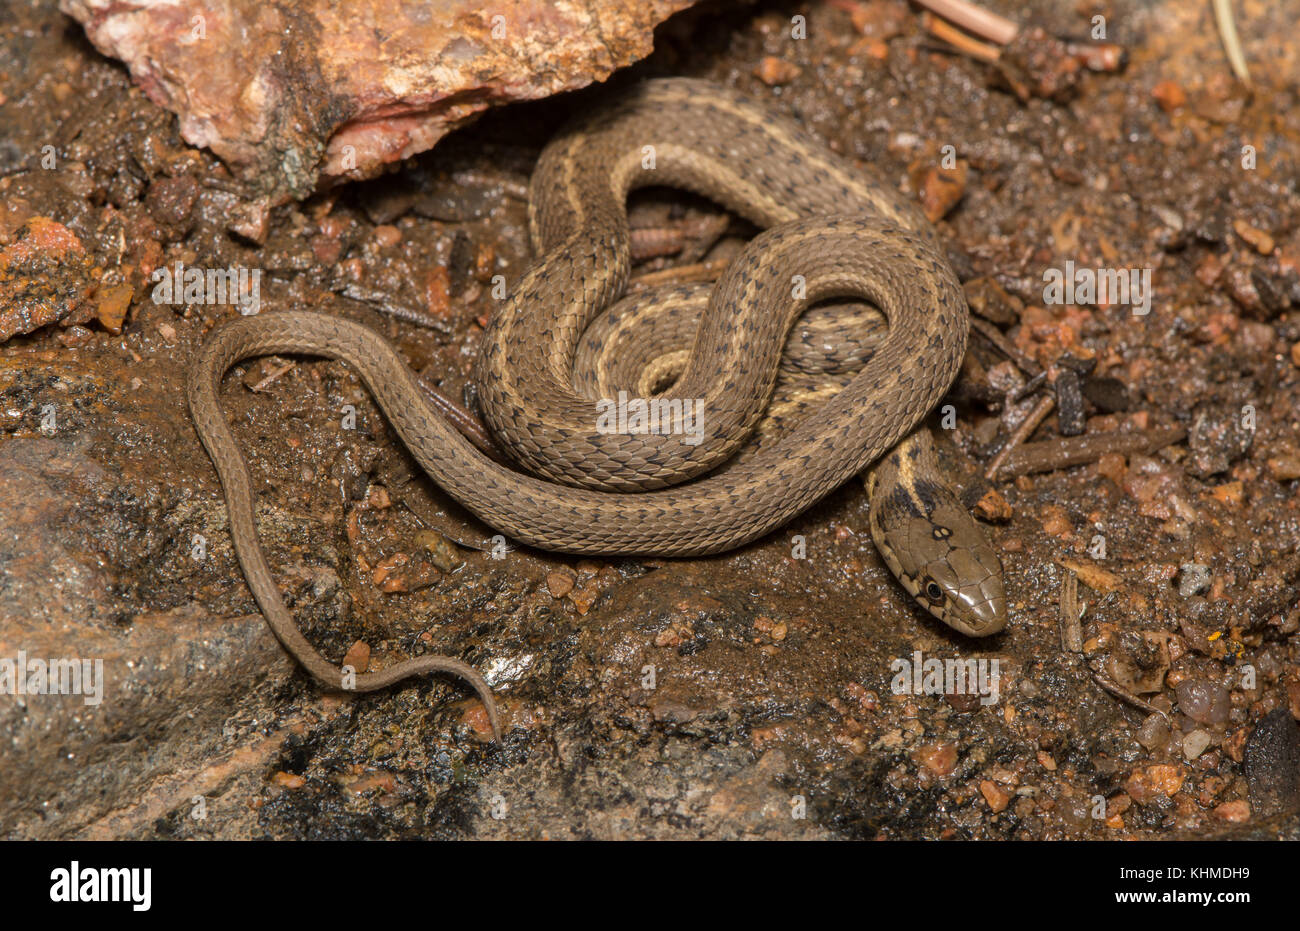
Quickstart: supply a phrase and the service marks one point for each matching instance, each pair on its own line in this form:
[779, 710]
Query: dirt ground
[746, 695]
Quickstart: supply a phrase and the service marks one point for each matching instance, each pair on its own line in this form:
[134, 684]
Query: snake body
[831, 233]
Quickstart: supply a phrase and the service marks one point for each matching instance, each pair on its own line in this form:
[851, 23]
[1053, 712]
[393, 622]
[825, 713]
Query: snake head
[939, 554]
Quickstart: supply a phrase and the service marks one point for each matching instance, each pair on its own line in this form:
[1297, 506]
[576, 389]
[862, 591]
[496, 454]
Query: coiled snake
[830, 233]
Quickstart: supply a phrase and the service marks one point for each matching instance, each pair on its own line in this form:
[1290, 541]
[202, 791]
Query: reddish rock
[288, 92]
[44, 277]
[1153, 782]
[993, 794]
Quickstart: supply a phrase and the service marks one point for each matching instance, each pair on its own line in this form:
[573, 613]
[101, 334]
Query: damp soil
[753, 694]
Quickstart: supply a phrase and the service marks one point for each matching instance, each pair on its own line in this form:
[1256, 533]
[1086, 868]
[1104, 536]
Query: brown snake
[830, 233]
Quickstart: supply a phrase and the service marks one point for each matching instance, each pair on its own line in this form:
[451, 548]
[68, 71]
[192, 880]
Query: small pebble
[442, 552]
[773, 71]
[993, 794]
[1169, 95]
[1234, 812]
[1152, 782]
[559, 582]
[938, 759]
[1193, 579]
[1154, 732]
[1203, 701]
[358, 656]
[1195, 743]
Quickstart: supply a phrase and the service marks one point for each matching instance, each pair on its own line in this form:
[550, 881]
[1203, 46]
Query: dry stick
[1027, 426]
[974, 19]
[1231, 43]
[1002, 345]
[1127, 696]
[1050, 455]
[462, 419]
[1071, 629]
[261, 385]
[980, 51]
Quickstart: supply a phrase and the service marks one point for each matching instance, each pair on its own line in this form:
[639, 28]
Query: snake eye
[933, 591]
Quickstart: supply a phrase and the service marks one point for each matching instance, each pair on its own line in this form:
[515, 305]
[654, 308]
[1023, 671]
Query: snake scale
[830, 233]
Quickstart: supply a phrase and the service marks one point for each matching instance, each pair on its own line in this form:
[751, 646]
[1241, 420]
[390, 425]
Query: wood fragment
[980, 51]
[1071, 629]
[1003, 345]
[1231, 43]
[465, 422]
[271, 377]
[1093, 576]
[1124, 695]
[974, 19]
[1023, 432]
[1050, 455]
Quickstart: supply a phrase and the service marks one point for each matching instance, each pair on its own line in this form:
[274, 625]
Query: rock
[940, 189]
[1262, 241]
[111, 305]
[1071, 419]
[1154, 732]
[358, 657]
[995, 796]
[1169, 95]
[1284, 467]
[1107, 394]
[938, 759]
[44, 277]
[1273, 764]
[290, 92]
[1140, 661]
[1203, 701]
[993, 507]
[1193, 579]
[774, 71]
[1196, 743]
[1154, 782]
[1218, 438]
[559, 582]
[1234, 812]
[442, 552]
[879, 19]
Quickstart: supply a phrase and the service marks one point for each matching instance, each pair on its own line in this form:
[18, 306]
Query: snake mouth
[979, 613]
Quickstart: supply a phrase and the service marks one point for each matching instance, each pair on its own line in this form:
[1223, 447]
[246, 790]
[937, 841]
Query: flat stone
[287, 93]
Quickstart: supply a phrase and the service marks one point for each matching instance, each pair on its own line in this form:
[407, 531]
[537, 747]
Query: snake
[831, 234]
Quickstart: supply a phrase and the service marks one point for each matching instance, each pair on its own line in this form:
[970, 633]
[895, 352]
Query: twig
[981, 22]
[1071, 629]
[462, 419]
[1002, 345]
[980, 51]
[1127, 696]
[271, 377]
[1050, 455]
[1027, 427]
[385, 304]
[1231, 43]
